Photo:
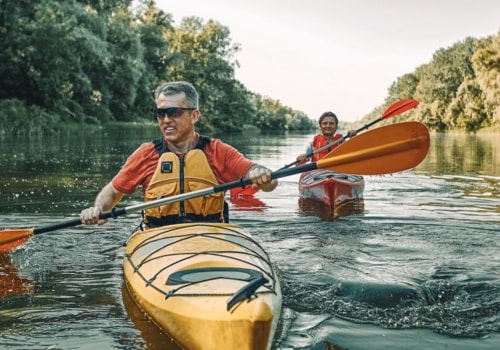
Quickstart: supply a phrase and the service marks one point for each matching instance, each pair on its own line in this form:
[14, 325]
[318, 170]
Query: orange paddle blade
[388, 149]
[399, 107]
[11, 239]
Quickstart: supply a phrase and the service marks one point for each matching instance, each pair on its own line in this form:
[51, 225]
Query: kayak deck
[330, 187]
[207, 285]
[330, 194]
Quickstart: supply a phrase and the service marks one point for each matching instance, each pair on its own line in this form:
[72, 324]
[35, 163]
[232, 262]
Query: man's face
[179, 126]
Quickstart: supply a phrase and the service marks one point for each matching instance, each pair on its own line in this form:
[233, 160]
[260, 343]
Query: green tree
[14, 39]
[440, 80]
[97, 61]
[88, 91]
[466, 111]
[36, 45]
[156, 57]
[404, 87]
[271, 115]
[486, 63]
[204, 55]
[299, 121]
[64, 58]
[126, 67]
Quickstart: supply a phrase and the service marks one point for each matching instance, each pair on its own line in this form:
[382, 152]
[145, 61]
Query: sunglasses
[172, 112]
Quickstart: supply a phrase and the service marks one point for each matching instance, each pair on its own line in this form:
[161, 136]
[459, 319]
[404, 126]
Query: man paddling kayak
[178, 162]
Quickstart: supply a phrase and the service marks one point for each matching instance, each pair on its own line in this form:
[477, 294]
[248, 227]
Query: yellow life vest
[175, 175]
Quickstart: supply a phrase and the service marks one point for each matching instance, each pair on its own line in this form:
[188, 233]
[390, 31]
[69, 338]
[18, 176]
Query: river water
[415, 266]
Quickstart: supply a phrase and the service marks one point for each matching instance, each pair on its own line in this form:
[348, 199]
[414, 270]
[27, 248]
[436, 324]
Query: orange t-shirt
[227, 163]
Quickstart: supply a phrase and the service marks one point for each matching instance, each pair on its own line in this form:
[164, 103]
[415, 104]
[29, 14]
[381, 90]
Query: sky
[337, 55]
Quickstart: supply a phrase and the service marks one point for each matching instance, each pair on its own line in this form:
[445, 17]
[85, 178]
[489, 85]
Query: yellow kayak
[207, 285]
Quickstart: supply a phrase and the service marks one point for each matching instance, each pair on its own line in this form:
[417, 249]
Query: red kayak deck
[330, 188]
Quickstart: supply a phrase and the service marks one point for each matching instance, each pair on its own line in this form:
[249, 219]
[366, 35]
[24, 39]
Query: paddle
[393, 110]
[384, 150]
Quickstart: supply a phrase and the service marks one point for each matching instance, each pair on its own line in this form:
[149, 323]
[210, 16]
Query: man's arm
[105, 200]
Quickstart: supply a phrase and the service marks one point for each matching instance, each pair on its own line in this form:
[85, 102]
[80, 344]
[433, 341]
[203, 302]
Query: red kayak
[331, 189]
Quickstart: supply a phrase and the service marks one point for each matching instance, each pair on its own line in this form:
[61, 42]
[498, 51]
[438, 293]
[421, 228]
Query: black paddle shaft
[113, 213]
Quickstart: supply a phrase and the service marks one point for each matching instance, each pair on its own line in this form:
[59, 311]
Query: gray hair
[178, 87]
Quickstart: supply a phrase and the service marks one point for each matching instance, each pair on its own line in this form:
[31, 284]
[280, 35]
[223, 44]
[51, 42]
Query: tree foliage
[486, 63]
[96, 61]
[459, 89]
[205, 56]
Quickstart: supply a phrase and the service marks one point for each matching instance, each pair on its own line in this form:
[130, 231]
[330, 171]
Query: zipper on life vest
[182, 209]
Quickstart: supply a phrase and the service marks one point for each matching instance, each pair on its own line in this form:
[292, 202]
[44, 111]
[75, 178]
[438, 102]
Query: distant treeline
[98, 61]
[459, 90]
[94, 62]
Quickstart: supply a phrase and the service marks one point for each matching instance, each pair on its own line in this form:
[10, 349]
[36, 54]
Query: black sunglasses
[172, 112]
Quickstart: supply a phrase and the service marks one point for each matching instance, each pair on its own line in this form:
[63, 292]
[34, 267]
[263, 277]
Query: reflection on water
[154, 338]
[327, 213]
[247, 203]
[463, 155]
[11, 282]
[414, 265]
